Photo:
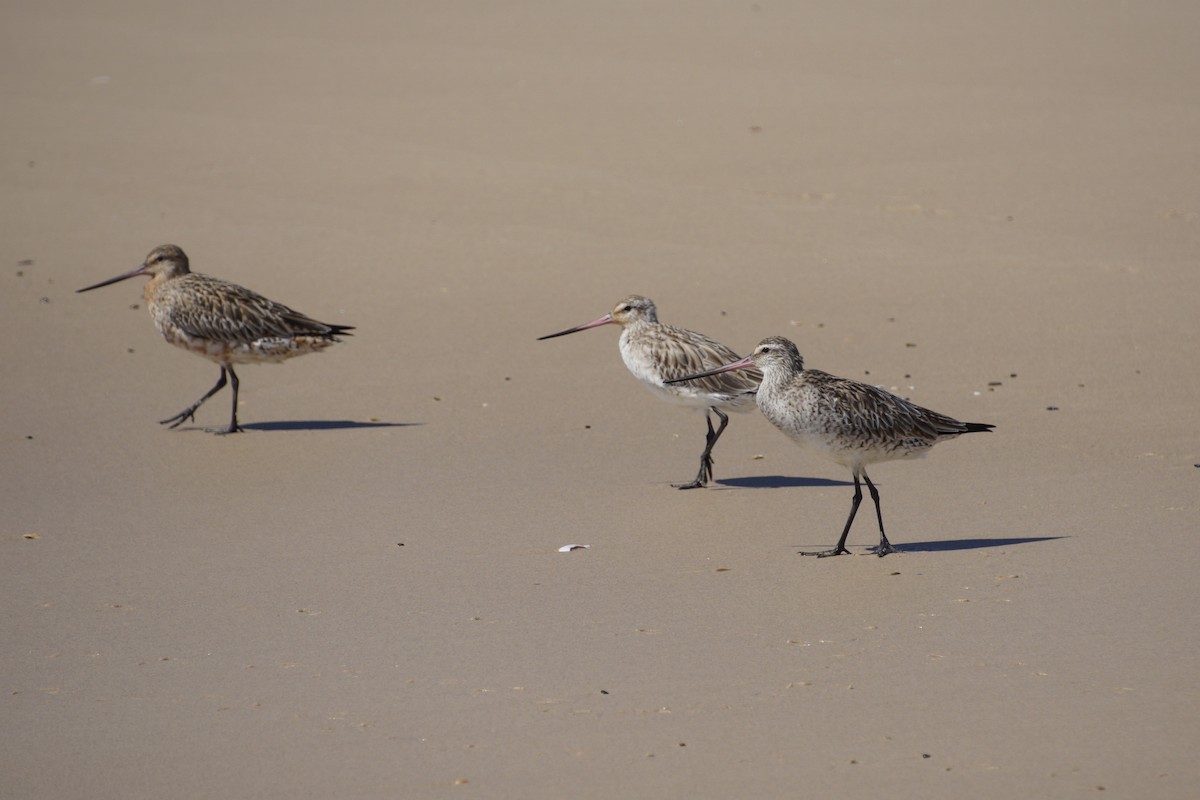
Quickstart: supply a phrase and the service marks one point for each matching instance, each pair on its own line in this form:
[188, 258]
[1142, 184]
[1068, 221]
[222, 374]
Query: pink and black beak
[133, 273]
[605, 320]
[741, 363]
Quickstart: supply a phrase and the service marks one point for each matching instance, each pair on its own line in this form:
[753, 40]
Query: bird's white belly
[258, 351]
[678, 396]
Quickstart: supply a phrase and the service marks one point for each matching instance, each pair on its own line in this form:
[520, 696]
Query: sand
[990, 207]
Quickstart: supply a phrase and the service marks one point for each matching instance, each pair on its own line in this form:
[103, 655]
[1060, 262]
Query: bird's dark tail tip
[977, 427]
[339, 330]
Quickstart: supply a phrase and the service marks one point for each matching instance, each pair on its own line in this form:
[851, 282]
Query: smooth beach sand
[990, 208]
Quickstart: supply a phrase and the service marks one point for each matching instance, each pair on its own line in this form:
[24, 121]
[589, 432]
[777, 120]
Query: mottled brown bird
[223, 322]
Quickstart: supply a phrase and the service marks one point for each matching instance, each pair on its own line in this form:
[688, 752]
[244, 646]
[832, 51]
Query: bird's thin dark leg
[841, 545]
[233, 426]
[706, 462]
[720, 429]
[885, 546]
[190, 411]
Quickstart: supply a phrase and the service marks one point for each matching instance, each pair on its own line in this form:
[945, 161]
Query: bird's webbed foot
[183, 416]
[702, 477]
[836, 551]
[882, 549]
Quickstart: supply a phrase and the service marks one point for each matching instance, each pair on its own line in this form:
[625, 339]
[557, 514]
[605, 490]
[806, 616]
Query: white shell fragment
[566, 548]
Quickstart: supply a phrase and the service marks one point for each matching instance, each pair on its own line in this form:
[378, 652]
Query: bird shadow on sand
[322, 425]
[778, 482]
[970, 544]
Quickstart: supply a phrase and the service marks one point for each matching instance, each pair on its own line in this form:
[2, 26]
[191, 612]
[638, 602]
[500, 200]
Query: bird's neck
[776, 380]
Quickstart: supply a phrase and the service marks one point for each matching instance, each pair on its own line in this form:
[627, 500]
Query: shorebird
[222, 322]
[657, 353]
[848, 422]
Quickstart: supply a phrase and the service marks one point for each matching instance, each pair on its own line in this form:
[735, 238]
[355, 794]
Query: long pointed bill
[141, 270]
[741, 363]
[605, 320]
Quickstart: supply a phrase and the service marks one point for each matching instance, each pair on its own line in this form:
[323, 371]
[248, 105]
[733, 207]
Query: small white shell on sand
[566, 548]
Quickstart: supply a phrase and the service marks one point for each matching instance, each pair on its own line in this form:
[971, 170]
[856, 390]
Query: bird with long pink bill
[221, 321]
[657, 353]
[851, 423]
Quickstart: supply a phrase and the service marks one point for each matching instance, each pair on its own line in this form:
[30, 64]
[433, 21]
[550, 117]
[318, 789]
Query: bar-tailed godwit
[849, 422]
[656, 353]
[222, 322]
